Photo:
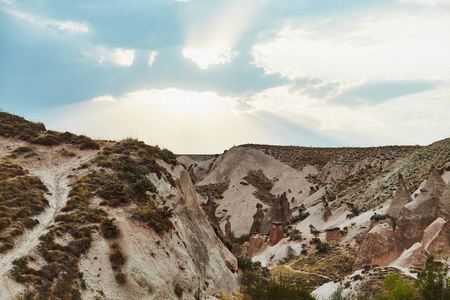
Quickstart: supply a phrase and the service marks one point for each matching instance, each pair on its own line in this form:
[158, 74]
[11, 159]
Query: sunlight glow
[218, 54]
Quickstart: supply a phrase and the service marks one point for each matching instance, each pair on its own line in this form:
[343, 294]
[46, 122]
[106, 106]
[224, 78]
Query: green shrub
[143, 184]
[243, 238]
[109, 229]
[432, 280]
[90, 145]
[121, 277]
[116, 257]
[155, 217]
[395, 288]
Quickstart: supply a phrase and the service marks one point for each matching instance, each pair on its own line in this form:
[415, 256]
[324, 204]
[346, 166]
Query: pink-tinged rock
[400, 199]
[413, 257]
[438, 242]
[256, 244]
[417, 215]
[276, 234]
[333, 234]
[379, 247]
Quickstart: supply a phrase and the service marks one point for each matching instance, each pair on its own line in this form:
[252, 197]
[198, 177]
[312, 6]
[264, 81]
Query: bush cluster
[109, 229]
[155, 217]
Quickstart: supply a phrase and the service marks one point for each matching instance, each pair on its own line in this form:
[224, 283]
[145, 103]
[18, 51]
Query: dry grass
[298, 157]
[21, 198]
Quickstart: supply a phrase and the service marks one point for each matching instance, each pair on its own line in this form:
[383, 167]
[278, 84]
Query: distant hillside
[199, 157]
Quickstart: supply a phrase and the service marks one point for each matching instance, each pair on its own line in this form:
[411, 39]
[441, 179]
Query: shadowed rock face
[417, 215]
[228, 235]
[278, 213]
[400, 199]
[257, 220]
[379, 247]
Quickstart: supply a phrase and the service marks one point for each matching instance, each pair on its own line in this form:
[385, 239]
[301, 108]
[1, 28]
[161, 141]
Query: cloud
[428, 2]
[7, 2]
[206, 122]
[151, 58]
[118, 56]
[398, 45]
[389, 122]
[377, 92]
[218, 54]
[104, 99]
[69, 26]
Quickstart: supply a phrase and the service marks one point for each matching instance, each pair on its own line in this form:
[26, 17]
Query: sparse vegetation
[21, 198]
[214, 190]
[116, 257]
[109, 229]
[262, 184]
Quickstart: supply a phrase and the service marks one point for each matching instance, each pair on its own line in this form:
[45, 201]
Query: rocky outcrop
[276, 233]
[278, 213]
[400, 199]
[333, 234]
[417, 215]
[436, 238]
[228, 234]
[210, 210]
[257, 220]
[256, 244]
[413, 257]
[379, 247]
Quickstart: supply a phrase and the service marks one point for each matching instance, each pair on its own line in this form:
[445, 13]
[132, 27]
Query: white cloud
[69, 26]
[206, 122]
[389, 46]
[118, 56]
[151, 58]
[428, 2]
[7, 2]
[123, 57]
[104, 99]
[392, 122]
[218, 54]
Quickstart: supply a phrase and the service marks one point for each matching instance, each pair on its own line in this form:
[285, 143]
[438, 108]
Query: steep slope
[118, 222]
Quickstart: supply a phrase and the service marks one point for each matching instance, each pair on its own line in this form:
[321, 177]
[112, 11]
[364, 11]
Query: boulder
[333, 234]
[379, 247]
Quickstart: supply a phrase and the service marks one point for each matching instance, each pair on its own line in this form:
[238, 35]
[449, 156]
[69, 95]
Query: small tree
[432, 281]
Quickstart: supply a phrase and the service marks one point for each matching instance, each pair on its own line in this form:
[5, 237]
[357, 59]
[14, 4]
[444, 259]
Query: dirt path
[307, 273]
[53, 170]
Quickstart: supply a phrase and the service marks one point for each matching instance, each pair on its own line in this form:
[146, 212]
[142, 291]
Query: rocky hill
[317, 215]
[84, 219]
[92, 219]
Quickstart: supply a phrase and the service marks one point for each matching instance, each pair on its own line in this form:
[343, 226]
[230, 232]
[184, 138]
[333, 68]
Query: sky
[198, 76]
